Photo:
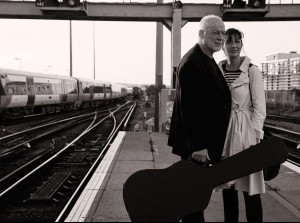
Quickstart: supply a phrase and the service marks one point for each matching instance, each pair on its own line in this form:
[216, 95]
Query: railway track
[291, 119]
[44, 189]
[290, 138]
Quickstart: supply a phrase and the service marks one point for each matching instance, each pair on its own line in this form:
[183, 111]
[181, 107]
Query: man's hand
[200, 156]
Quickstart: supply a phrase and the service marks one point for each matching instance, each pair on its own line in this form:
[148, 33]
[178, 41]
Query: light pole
[94, 50]
[20, 62]
[71, 59]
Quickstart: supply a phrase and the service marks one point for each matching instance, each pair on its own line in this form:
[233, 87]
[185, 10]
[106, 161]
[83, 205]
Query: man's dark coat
[201, 108]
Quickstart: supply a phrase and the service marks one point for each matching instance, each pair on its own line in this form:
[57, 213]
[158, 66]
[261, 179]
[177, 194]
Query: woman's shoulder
[253, 68]
[254, 72]
[247, 66]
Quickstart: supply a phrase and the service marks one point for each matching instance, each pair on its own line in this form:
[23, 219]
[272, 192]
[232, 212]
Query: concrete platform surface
[281, 203]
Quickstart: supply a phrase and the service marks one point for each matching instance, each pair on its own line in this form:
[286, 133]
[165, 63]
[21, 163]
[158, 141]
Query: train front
[2, 93]
[13, 92]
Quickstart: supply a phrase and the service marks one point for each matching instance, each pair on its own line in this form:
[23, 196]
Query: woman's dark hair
[233, 32]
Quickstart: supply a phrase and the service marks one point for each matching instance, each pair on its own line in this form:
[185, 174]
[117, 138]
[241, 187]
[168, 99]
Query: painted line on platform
[86, 199]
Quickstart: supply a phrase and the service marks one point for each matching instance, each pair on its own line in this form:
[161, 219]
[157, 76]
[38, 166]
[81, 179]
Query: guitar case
[168, 194]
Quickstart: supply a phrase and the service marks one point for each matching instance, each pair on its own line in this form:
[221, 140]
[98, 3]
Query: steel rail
[57, 154]
[85, 180]
[45, 162]
[42, 126]
[11, 150]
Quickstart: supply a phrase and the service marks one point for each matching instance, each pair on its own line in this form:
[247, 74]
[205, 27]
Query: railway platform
[102, 199]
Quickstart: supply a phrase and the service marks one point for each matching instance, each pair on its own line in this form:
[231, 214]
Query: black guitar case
[185, 187]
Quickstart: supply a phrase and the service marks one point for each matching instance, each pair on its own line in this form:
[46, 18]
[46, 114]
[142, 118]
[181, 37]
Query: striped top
[230, 75]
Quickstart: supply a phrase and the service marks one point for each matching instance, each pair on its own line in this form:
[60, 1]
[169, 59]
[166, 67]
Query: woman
[248, 113]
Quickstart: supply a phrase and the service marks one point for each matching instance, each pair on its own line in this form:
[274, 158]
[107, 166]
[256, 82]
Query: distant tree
[150, 90]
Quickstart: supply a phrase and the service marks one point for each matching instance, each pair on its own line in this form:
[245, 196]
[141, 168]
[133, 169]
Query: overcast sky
[124, 51]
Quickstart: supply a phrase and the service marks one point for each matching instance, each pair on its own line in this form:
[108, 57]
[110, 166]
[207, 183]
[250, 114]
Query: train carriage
[13, 91]
[24, 93]
[95, 92]
[91, 93]
[49, 90]
[136, 92]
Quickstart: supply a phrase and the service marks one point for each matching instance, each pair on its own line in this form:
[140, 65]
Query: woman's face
[233, 46]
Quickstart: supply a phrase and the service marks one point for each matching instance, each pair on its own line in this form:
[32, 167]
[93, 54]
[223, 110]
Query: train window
[70, 89]
[98, 89]
[85, 88]
[10, 91]
[108, 90]
[48, 89]
[42, 89]
[20, 90]
[15, 87]
[75, 88]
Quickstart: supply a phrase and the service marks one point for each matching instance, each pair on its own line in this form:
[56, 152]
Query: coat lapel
[218, 78]
[243, 78]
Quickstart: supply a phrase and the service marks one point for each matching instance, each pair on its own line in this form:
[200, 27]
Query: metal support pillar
[94, 50]
[158, 70]
[176, 41]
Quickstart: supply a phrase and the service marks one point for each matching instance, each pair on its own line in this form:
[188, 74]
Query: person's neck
[234, 63]
[206, 50]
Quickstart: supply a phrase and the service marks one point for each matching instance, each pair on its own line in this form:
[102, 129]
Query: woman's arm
[258, 100]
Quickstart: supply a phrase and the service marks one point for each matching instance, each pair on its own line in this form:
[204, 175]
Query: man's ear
[201, 32]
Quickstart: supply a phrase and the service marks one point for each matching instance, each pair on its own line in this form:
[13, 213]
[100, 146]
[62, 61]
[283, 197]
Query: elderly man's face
[214, 35]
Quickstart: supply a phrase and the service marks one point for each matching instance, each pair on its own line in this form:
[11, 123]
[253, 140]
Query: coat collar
[244, 66]
[244, 76]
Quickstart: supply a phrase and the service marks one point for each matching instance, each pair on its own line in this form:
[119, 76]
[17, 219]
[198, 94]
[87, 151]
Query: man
[203, 102]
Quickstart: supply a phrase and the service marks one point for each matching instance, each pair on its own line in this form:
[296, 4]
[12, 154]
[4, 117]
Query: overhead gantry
[173, 15]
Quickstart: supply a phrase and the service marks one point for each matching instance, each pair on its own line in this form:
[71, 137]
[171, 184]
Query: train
[26, 93]
[136, 92]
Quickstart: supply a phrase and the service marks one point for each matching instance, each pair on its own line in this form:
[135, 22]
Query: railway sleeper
[78, 157]
[51, 187]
